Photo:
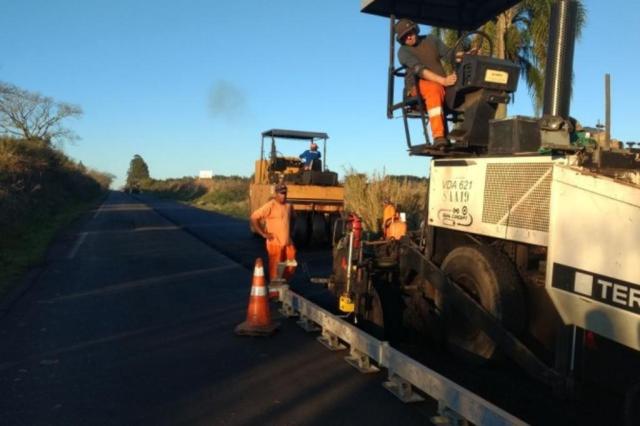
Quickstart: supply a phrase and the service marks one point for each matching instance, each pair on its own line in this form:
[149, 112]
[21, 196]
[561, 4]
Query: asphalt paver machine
[531, 241]
[315, 194]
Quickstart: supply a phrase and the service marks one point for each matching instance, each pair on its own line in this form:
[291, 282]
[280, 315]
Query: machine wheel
[318, 229]
[373, 313]
[300, 232]
[492, 280]
[336, 225]
[383, 313]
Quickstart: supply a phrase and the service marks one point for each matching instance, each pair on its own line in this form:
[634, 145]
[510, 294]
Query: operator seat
[316, 165]
[483, 83]
[413, 107]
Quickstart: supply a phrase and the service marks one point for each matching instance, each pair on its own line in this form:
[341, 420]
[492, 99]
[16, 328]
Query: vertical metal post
[572, 362]
[324, 154]
[407, 133]
[255, 178]
[273, 148]
[607, 113]
[349, 260]
[390, 77]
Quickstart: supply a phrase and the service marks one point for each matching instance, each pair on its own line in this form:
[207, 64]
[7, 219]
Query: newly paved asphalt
[130, 321]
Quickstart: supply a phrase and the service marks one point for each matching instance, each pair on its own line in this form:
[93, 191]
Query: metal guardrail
[455, 403]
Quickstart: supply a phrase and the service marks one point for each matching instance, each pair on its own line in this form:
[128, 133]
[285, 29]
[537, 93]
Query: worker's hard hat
[404, 27]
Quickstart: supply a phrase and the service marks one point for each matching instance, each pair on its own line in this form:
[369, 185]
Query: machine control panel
[483, 72]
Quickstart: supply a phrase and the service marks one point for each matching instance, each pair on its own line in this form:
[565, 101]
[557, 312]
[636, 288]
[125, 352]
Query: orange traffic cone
[258, 321]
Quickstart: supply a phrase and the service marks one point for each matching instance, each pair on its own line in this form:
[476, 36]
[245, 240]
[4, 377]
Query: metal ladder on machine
[412, 107]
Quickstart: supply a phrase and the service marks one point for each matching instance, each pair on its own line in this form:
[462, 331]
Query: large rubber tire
[491, 279]
[336, 225]
[301, 229]
[373, 314]
[383, 312]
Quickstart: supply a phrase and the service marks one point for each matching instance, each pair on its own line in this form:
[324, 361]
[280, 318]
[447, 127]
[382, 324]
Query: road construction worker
[276, 216]
[421, 56]
[310, 155]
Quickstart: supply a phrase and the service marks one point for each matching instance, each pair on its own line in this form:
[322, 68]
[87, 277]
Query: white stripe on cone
[258, 291]
[258, 271]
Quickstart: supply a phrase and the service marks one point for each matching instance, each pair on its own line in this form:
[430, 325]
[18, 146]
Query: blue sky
[190, 85]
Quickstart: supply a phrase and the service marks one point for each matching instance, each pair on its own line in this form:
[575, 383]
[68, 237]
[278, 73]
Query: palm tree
[520, 34]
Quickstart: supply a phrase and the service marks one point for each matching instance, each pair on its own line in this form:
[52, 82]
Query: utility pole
[607, 111]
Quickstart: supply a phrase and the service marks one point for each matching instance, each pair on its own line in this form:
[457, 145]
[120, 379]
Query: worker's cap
[281, 188]
[404, 27]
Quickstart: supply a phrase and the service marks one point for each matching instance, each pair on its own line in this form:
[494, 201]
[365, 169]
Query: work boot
[441, 143]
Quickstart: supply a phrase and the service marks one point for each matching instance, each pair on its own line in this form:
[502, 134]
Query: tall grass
[365, 195]
[181, 189]
[223, 194]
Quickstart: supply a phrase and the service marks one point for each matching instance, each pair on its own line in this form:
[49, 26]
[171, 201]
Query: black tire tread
[507, 297]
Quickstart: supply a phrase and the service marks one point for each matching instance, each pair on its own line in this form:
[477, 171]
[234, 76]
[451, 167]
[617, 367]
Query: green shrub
[38, 179]
[40, 188]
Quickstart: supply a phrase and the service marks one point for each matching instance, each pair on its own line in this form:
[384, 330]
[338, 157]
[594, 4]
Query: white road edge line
[77, 245]
[99, 210]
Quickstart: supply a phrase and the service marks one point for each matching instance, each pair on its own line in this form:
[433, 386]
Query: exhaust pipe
[559, 70]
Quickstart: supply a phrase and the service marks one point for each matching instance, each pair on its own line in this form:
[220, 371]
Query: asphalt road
[130, 321]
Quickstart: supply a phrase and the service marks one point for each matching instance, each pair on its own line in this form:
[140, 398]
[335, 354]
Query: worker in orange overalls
[276, 215]
[421, 56]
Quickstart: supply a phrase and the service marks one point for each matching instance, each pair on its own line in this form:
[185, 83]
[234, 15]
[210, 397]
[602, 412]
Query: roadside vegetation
[222, 194]
[365, 195]
[41, 190]
[226, 194]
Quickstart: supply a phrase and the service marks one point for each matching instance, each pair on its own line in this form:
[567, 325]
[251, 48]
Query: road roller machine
[314, 191]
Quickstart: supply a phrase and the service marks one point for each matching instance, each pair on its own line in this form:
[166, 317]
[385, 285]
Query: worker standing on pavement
[421, 56]
[276, 216]
[310, 156]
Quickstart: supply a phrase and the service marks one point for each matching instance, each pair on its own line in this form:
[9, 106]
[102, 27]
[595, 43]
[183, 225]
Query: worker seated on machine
[311, 157]
[421, 55]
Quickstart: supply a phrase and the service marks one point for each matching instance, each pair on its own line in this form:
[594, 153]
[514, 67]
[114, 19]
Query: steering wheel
[460, 43]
